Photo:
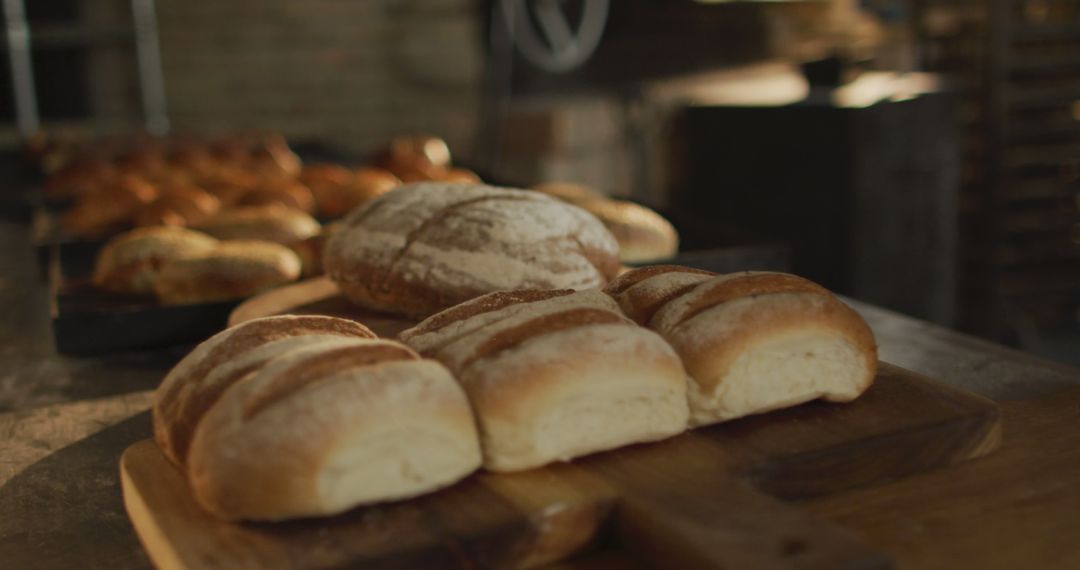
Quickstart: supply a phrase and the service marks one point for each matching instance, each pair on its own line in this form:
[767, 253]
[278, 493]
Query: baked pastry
[367, 183]
[459, 175]
[568, 191]
[231, 270]
[428, 246]
[268, 223]
[414, 158]
[554, 375]
[284, 191]
[644, 236]
[178, 205]
[109, 208]
[301, 416]
[130, 262]
[753, 341]
[311, 249]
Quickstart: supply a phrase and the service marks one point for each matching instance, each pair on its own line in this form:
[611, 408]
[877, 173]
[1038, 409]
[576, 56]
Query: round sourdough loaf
[427, 246]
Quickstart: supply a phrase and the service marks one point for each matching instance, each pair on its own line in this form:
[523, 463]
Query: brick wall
[349, 72]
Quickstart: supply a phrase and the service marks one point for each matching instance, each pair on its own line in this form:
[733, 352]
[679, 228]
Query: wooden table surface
[64, 423]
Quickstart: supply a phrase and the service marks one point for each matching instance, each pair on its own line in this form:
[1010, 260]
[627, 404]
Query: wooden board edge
[284, 298]
[152, 537]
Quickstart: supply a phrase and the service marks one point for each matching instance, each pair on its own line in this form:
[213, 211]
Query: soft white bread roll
[296, 416]
[196, 382]
[427, 246]
[322, 428]
[644, 235]
[554, 375]
[754, 341]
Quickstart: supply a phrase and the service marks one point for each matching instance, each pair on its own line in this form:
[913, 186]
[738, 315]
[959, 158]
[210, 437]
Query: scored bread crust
[271, 222]
[428, 246]
[188, 391]
[754, 341]
[555, 375]
[320, 429]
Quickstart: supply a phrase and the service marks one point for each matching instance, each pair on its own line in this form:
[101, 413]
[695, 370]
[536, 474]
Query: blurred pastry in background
[274, 223]
[644, 236]
[230, 270]
[130, 262]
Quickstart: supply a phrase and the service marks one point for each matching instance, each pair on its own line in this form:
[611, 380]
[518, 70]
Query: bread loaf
[428, 246]
[286, 417]
[754, 341]
[231, 270]
[644, 236]
[130, 262]
[554, 375]
[268, 223]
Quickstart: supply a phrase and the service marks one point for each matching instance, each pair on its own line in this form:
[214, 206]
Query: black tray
[86, 320]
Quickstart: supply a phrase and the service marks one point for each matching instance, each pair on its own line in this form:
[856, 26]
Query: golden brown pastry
[428, 246]
[110, 208]
[232, 269]
[284, 191]
[554, 375]
[270, 223]
[130, 262]
[753, 341]
[644, 236]
[361, 187]
[301, 416]
[178, 205]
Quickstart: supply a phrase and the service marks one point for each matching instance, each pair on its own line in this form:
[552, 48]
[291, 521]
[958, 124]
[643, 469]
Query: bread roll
[299, 416]
[428, 246]
[130, 262]
[199, 379]
[644, 236]
[282, 191]
[109, 208]
[554, 375]
[268, 223]
[754, 341]
[360, 187]
[320, 429]
[179, 205]
[568, 191]
[231, 270]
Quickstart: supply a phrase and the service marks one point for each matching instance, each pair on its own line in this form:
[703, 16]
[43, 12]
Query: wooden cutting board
[717, 497]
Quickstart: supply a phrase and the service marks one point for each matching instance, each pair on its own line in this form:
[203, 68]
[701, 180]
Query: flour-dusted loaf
[753, 341]
[232, 269]
[297, 416]
[130, 262]
[427, 246]
[554, 375]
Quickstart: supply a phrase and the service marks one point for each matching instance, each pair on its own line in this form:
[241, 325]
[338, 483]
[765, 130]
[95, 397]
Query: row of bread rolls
[183, 266]
[300, 416]
[187, 182]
